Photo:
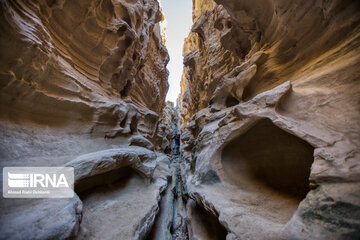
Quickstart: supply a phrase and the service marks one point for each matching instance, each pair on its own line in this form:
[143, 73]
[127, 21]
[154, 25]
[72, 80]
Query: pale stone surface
[115, 186]
[258, 207]
[96, 163]
[139, 140]
[125, 196]
[80, 82]
[273, 153]
[40, 218]
[124, 210]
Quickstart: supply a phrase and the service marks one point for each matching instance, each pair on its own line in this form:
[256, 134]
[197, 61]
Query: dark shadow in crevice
[123, 122]
[125, 91]
[231, 101]
[204, 225]
[121, 31]
[116, 178]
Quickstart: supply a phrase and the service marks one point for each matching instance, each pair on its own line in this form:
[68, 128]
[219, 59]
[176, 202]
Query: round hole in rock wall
[269, 163]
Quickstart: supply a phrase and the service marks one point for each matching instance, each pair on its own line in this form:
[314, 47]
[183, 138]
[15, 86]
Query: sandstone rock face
[83, 54]
[75, 72]
[205, 60]
[40, 218]
[83, 84]
[89, 67]
[270, 117]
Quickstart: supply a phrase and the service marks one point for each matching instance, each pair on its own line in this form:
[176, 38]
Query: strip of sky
[178, 15]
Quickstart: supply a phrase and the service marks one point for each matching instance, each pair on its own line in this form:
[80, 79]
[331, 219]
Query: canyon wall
[83, 85]
[270, 115]
[89, 68]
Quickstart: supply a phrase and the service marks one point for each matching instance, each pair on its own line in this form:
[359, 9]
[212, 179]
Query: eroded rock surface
[40, 218]
[270, 117]
[83, 84]
[82, 69]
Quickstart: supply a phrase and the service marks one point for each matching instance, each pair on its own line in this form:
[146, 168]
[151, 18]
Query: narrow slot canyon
[180, 120]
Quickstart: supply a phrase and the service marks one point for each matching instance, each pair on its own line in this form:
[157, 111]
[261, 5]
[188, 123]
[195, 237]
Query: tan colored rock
[74, 72]
[66, 64]
[206, 60]
[281, 159]
[80, 81]
[231, 88]
[82, 53]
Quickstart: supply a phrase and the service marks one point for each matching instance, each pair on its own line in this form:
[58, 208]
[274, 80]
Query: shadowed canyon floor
[263, 143]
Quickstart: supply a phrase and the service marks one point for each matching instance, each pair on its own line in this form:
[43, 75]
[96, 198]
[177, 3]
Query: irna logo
[20, 180]
[38, 182]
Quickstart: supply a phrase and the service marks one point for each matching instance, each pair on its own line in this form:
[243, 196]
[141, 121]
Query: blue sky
[178, 14]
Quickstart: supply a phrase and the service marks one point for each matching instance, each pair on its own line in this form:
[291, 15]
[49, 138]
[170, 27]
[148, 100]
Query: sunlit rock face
[79, 67]
[205, 60]
[270, 117]
[86, 55]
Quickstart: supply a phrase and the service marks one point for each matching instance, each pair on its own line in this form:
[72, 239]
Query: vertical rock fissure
[172, 220]
[179, 223]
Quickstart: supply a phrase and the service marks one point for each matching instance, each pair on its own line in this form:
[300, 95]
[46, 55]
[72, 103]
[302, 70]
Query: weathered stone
[80, 80]
[88, 165]
[268, 130]
[140, 141]
[40, 218]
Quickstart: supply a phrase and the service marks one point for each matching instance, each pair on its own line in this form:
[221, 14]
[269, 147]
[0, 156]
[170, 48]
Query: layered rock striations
[270, 118]
[83, 85]
[205, 60]
[69, 61]
[79, 70]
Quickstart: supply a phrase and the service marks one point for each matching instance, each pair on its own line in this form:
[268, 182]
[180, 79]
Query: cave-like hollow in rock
[271, 163]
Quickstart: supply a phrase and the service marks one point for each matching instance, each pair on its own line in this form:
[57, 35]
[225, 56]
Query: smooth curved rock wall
[292, 65]
[83, 84]
[63, 60]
